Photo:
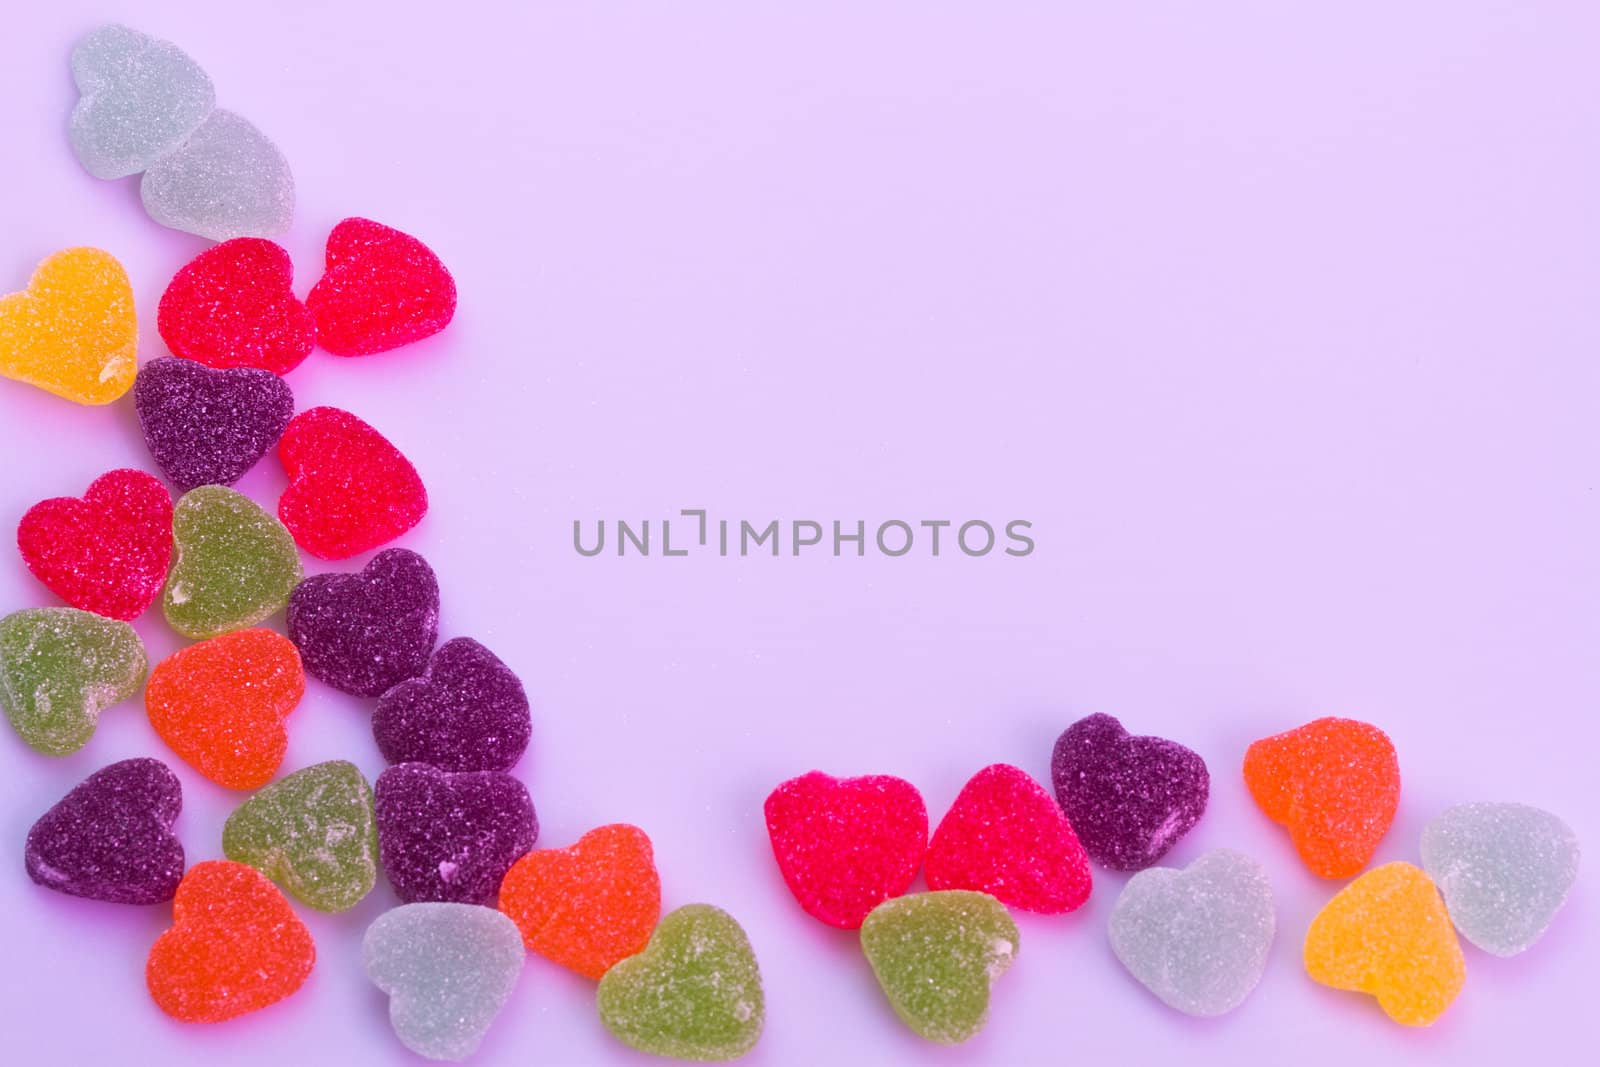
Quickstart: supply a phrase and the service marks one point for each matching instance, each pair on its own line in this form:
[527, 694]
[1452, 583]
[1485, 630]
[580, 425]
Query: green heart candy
[313, 833]
[936, 954]
[694, 993]
[60, 668]
[233, 564]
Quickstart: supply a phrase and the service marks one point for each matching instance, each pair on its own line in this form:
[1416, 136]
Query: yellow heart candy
[72, 332]
[1387, 933]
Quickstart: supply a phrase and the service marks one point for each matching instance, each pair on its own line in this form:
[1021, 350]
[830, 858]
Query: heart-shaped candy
[107, 551]
[350, 490]
[208, 427]
[365, 633]
[221, 705]
[227, 180]
[1006, 836]
[235, 946]
[138, 99]
[466, 712]
[232, 306]
[1129, 799]
[451, 837]
[1334, 783]
[1387, 934]
[313, 832]
[845, 845]
[694, 993]
[1197, 937]
[381, 289]
[72, 332]
[60, 668]
[1504, 870]
[235, 564]
[111, 837]
[936, 956]
[448, 970]
[590, 904]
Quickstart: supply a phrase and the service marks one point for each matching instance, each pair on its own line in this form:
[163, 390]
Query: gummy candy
[1335, 783]
[936, 955]
[232, 306]
[844, 845]
[227, 180]
[694, 993]
[139, 98]
[365, 633]
[60, 668]
[106, 552]
[1387, 934]
[445, 836]
[1006, 836]
[235, 946]
[349, 488]
[590, 904]
[466, 712]
[208, 427]
[1197, 937]
[313, 832]
[1130, 799]
[221, 704]
[448, 970]
[1504, 871]
[235, 564]
[111, 837]
[72, 332]
[381, 289]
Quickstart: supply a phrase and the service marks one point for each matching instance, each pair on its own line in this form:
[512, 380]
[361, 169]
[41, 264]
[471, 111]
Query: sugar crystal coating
[451, 837]
[367, 632]
[235, 564]
[349, 490]
[381, 289]
[208, 427]
[232, 306]
[694, 993]
[60, 668]
[448, 970]
[111, 838]
[227, 180]
[72, 331]
[466, 712]
[139, 98]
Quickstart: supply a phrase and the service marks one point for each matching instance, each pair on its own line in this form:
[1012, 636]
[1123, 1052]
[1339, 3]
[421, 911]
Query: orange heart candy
[590, 904]
[73, 331]
[221, 704]
[235, 946]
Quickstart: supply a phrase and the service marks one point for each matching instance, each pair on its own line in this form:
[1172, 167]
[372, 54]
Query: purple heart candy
[467, 712]
[451, 837]
[111, 837]
[1129, 798]
[206, 426]
[366, 633]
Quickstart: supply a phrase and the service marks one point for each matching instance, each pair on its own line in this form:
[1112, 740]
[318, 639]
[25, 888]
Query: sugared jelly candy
[590, 904]
[60, 668]
[1197, 937]
[1129, 799]
[1006, 836]
[72, 332]
[451, 837]
[381, 289]
[235, 564]
[694, 993]
[235, 946]
[844, 845]
[138, 99]
[448, 970]
[1387, 934]
[232, 306]
[111, 837]
[1504, 871]
[1334, 783]
[227, 180]
[208, 427]
[936, 955]
[367, 632]
[313, 832]
[221, 705]
[350, 490]
[107, 551]
[466, 712]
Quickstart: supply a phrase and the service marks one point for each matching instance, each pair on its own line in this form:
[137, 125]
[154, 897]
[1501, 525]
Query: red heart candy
[232, 306]
[381, 289]
[107, 551]
[349, 488]
[845, 845]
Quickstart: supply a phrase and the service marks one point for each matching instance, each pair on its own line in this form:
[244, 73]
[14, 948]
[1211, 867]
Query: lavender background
[1278, 323]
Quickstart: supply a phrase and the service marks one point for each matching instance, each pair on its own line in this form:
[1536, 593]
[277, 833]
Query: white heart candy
[139, 98]
[225, 181]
